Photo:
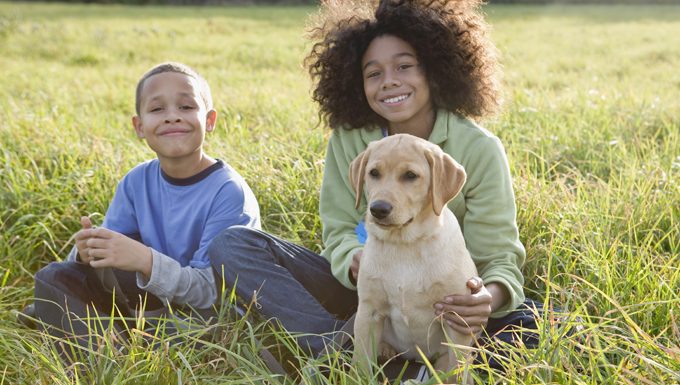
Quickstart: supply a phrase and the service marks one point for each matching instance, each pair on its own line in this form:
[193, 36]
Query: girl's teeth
[396, 99]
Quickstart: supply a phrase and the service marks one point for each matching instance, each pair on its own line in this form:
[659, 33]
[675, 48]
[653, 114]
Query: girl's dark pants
[295, 286]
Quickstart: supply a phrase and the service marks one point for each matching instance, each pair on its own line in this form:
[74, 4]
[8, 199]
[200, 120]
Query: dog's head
[405, 178]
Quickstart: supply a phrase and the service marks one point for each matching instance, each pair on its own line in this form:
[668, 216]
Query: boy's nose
[171, 119]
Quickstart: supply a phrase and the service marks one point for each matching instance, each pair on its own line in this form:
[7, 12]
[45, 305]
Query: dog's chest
[414, 278]
[416, 286]
[403, 282]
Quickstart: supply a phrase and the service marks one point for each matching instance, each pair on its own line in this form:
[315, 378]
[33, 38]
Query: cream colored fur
[414, 256]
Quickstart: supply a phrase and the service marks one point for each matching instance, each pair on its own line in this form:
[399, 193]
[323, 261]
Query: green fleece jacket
[485, 208]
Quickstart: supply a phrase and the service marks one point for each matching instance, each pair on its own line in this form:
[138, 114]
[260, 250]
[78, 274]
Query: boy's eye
[374, 173]
[155, 109]
[187, 107]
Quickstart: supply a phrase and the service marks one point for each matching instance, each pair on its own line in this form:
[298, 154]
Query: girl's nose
[390, 81]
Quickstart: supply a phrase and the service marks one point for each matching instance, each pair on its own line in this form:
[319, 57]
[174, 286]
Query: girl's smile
[393, 100]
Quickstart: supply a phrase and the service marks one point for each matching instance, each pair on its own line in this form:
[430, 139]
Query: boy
[152, 246]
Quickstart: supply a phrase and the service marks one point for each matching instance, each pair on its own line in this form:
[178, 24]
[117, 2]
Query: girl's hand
[108, 248]
[354, 268]
[468, 313]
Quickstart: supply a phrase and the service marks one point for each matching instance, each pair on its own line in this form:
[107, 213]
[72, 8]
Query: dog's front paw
[386, 351]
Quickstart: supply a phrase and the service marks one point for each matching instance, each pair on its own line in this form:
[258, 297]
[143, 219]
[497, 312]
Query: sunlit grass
[591, 126]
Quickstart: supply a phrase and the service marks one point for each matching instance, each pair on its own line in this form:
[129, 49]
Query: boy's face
[172, 117]
[394, 82]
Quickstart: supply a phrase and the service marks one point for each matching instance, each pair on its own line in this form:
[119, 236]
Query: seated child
[152, 246]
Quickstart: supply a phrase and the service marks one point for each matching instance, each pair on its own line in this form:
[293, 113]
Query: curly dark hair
[450, 40]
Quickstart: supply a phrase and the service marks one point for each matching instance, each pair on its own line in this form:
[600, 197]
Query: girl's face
[396, 87]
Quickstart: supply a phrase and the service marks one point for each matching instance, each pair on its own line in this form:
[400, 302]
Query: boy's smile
[173, 119]
[396, 87]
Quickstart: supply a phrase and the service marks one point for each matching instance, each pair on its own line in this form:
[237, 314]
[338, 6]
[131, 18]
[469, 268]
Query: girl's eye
[405, 66]
[372, 74]
[374, 173]
[410, 175]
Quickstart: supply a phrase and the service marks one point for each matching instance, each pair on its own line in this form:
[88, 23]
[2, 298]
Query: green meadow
[591, 125]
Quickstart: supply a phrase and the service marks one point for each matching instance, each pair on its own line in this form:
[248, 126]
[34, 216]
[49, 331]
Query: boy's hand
[467, 313]
[81, 240]
[108, 248]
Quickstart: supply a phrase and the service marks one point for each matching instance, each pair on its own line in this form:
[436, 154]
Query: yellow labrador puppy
[415, 254]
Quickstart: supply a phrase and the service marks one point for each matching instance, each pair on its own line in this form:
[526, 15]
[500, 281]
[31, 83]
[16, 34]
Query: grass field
[591, 126]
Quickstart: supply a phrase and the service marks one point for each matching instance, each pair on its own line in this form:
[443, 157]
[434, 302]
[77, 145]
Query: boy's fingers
[86, 222]
[101, 232]
[98, 263]
[96, 243]
[82, 236]
[97, 254]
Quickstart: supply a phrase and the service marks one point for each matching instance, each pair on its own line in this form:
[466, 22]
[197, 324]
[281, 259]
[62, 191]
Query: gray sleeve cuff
[172, 283]
[73, 256]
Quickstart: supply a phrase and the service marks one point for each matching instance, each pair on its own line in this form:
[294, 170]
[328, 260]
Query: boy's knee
[70, 275]
[52, 271]
[236, 232]
[221, 246]
[236, 247]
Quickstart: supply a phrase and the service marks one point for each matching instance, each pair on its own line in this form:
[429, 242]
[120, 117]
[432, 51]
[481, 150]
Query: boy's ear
[137, 124]
[210, 120]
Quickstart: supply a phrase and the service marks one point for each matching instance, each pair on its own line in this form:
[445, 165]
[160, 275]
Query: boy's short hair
[204, 89]
[450, 40]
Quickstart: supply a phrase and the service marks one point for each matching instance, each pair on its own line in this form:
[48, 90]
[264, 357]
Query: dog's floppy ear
[446, 178]
[357, 170]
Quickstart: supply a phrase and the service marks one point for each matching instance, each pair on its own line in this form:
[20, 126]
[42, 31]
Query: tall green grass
[591, 126]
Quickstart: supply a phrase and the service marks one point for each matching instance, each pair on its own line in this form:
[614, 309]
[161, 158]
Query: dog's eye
[374, 173]
[410, 175]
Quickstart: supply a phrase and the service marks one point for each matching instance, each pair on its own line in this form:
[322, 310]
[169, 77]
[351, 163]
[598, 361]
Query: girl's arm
[336, 206]
[490, 226]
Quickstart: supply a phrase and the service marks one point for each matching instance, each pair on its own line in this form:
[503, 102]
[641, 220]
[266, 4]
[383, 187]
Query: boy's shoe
[26, 316]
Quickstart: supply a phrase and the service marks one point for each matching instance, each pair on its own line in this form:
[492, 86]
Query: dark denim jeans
[65, 291]
[69, 296]
[295, 286]
[288, 282]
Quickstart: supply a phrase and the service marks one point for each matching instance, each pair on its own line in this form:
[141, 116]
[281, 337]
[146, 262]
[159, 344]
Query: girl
[423, 68]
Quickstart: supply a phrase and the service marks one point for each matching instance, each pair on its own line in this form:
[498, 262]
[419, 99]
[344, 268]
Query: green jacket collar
[438, 136]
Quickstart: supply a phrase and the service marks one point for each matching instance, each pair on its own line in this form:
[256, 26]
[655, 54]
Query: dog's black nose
[381, 209]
